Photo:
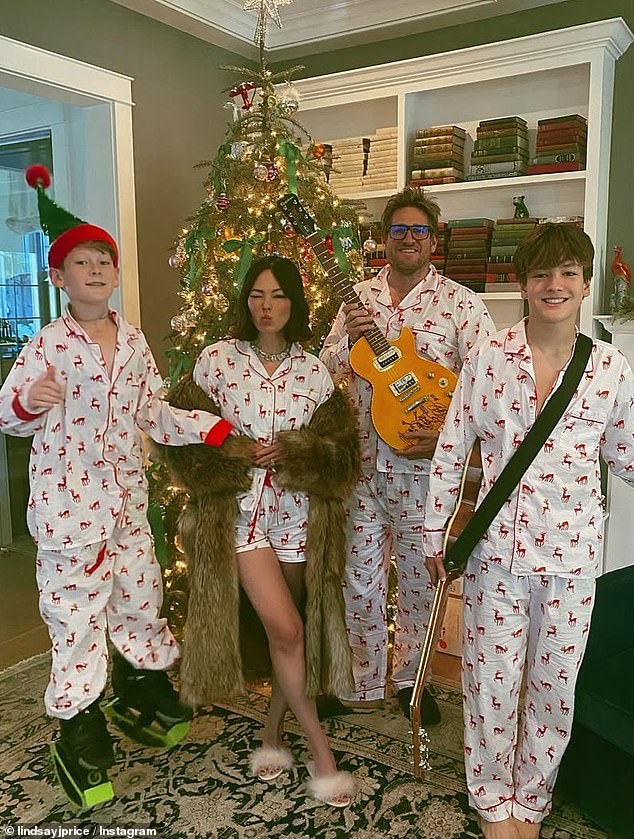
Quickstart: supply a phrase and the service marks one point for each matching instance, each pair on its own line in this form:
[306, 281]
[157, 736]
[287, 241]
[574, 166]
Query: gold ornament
[318, 150]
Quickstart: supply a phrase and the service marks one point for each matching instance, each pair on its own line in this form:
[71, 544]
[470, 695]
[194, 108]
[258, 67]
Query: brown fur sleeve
[206, 469]
[322, 458]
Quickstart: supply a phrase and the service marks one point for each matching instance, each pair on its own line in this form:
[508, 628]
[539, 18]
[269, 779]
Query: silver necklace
[271, 356]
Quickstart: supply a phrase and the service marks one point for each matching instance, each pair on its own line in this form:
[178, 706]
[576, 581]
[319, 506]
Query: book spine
[457, 232]
[503, 250]
[552, 168]
[435, 181]
[437, 161]
[441, 172]
[502, 122]
[564, 118]
[560, 138]
[482, 167]
[486, 154]
[493, 133]
[493, 175]
[558, 157]
[470, 222]
[431, 145]
[548, 127]
[440, 130]
[503, 144]
[519, 159]
[526, 221]
[464, 243]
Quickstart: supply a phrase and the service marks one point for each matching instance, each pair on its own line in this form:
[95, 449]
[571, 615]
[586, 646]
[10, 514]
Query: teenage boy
[83, 387]
[529, 584]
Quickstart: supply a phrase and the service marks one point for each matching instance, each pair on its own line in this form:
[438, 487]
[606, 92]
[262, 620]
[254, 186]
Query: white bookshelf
[568, 71]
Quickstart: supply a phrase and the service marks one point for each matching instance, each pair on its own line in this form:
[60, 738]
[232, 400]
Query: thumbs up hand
[45, 392]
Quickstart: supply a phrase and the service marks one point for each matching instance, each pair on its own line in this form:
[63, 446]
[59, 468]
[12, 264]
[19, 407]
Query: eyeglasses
[419, 231]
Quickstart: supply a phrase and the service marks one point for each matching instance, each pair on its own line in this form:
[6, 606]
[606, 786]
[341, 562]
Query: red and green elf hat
[65, 230]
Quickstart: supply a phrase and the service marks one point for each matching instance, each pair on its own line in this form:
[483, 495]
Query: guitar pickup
[406, 382]
[387, 359]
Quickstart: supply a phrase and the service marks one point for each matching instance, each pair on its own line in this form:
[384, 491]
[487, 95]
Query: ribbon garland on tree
[292, 154]
[337, 235]
[245, 246]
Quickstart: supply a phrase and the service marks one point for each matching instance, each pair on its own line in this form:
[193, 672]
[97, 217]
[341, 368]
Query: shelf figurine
[521, 210]
[621, 302]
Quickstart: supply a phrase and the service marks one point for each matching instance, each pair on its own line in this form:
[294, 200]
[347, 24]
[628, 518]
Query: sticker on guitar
[409, 393]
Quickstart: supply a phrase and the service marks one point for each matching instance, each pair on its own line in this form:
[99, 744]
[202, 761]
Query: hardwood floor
[22, 633]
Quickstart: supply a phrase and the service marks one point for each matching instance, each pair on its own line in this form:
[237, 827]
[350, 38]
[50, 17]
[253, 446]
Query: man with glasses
[386, 514]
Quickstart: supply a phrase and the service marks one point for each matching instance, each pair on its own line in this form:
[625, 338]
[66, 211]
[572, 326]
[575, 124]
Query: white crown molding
[308, 27]
[517, 55]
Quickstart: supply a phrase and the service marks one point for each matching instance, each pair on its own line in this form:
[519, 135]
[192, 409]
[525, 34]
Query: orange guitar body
[409, 393]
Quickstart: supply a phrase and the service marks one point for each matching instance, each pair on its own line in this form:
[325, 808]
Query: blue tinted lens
[419, 231]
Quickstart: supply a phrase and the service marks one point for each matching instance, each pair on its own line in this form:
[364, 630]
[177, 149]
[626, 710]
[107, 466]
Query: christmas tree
[266, 154]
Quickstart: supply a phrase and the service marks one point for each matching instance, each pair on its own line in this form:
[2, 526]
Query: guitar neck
[344, 288]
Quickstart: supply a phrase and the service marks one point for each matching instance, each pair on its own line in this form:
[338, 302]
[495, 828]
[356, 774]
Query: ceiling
[309, 27]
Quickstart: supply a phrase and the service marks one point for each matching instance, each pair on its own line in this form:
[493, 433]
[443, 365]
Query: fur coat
[320, 459]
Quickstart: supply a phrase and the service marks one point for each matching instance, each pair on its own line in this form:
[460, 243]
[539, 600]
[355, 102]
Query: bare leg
[505, 829]
[272, 734]
[264, 584]
[527, 830]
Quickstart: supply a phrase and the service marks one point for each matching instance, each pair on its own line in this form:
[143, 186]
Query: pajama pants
[114, 587]
[385, 518]
[536, 626]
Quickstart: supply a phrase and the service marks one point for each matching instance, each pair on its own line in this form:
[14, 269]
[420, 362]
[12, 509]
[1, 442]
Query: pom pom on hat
[65, 230]
[38, 175]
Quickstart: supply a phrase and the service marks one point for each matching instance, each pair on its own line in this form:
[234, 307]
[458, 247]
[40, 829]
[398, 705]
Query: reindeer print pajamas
[386, 514]
[529, 585]
[259, 406]
[87, 511]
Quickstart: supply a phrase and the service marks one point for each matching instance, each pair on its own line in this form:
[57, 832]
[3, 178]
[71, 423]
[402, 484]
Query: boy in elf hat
[84, 387]
[529, 583]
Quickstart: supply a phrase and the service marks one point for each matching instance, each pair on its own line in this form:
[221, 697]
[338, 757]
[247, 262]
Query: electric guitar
[463, 512]
[409, 393]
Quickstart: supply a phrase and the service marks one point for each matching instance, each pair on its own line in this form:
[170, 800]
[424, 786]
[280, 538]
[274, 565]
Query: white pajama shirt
[385, 515]
[259, 405]
[529, 584]
[87, 511]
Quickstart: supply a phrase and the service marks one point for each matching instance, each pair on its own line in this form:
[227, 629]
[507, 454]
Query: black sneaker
[330, 706]
[86, 738]
[430, 712]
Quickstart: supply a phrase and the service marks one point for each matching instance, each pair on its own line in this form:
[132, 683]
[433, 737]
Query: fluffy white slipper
[336, 790]
[268, 762]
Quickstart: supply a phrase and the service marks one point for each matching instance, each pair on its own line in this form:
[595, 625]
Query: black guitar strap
[460, 551]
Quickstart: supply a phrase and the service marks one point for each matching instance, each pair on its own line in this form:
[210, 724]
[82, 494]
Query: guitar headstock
[298, 216]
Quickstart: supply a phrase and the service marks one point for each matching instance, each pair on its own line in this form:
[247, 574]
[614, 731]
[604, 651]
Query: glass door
[28, 301]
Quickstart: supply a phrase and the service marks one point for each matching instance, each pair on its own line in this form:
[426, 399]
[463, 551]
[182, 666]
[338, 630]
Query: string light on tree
[265, 154]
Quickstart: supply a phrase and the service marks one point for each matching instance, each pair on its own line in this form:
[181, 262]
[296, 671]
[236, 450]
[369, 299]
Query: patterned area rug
[202, 789]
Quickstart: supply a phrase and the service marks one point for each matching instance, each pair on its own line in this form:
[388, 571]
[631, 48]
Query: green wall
[178, 120]
[544, 19]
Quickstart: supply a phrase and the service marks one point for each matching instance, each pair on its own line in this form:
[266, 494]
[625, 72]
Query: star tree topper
[265, 7]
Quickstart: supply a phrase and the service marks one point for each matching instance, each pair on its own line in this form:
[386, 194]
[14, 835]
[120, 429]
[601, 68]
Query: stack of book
[560, 145]
[365, 163]
[507, 234]
[348, 160]
[500, 149]
[381, 169]
[438, 156]
[439, 256]
[468, 251]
